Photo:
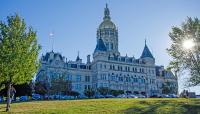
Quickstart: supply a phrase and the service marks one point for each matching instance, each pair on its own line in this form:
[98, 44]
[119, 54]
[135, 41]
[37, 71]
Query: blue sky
[74, 23]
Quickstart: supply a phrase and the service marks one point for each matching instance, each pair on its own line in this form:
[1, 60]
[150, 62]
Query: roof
[100, 45]
[146, 53]
[47, 56]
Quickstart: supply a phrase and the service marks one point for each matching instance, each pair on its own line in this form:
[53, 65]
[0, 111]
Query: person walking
[12, 94]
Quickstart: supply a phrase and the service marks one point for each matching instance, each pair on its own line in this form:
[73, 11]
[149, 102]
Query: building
[166, 79]
[107, 69]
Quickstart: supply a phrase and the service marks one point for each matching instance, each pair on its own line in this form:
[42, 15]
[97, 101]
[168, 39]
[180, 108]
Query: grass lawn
[107, 106]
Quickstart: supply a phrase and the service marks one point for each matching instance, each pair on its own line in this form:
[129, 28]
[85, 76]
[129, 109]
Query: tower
[108, 33]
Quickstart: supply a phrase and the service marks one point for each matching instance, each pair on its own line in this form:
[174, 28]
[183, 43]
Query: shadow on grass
[2, 109]
[163, 107]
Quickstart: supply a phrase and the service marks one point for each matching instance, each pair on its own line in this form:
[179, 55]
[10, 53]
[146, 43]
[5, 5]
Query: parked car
[140, 96]
[36, 97]
[23, 98]
[109, 96]
[173, 96]
[51, 96]
[132, 96]
[165, 96]
[82, 97]
[99, 96]
[122, 96]
[1, 99]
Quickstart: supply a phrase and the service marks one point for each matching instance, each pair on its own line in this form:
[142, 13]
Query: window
[110, 67]
[111, 45]
[69, 77]
[107, 46]
[106, 32]
[87, 78]
[78, 78]
[103, 77]
[104, 66]
[87, 86]
[73, 65]
[78, 86]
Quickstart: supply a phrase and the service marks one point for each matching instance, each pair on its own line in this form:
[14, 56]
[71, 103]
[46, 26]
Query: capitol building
[108, 68]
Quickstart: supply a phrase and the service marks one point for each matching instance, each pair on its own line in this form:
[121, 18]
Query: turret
[146, 56]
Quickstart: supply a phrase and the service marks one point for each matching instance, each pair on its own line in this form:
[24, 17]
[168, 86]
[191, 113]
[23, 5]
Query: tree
[165, 88]
[185, 49]
[22, 89]
[103, 90]
[89, 93]
[18, 53]
[40, 88]
[74, 93]
[117, 92]
[60, 86]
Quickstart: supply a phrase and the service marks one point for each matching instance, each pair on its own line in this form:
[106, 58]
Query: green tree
[165, 88]
[188, 35]
[18, 53]
[60, 86]
[103, 90]
[40, 88]
[74, 93]
[89, 93]
[117, 92]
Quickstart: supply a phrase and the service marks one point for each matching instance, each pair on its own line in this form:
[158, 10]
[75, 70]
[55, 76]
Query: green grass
[107, 106]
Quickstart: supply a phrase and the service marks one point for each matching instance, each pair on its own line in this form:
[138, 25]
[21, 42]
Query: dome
[107, 24]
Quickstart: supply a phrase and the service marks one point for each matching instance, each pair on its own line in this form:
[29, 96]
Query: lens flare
[188, 44]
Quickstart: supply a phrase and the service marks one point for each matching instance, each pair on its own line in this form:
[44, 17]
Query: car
[140, 96]
[109, 96]
[99, 96]
[23, 98]
[82, 97]
[122, 96]
[65, 97]
[1, 99]
[57, 96]
[36, 96]
[51, 96]
[132, 96]
[173, 96]
[165, 96]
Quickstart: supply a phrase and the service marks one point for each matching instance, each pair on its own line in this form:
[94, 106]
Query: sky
[74, 24]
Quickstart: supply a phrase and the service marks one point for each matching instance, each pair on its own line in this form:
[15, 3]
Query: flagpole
[51, 35]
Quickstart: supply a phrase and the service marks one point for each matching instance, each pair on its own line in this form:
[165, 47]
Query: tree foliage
[18, 52]
[89, 93]
[186, 59]
[60, 86]
[104, 90]
[117, 92]
[40, 88]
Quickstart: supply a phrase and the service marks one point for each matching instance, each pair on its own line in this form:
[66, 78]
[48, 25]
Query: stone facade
[107, 69]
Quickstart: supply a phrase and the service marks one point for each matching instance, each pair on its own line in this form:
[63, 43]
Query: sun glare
[188, 44]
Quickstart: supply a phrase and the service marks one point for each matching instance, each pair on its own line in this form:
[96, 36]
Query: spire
[106, 13]
[146, 52]
[78, 58]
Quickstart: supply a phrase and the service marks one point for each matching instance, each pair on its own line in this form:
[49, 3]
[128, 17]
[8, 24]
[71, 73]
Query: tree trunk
[8, 97]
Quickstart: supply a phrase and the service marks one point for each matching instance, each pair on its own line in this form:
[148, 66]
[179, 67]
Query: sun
[188, 44]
